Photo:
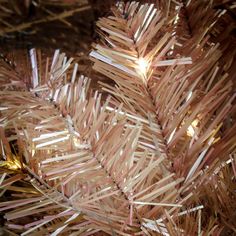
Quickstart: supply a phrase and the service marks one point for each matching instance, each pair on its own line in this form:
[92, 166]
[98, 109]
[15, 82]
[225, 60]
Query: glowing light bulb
[192, 127]
[11, 165]
[142, 65]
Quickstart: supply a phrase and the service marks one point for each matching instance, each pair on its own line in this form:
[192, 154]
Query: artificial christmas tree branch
[52, 141]
[150, 159]
[125, 58]
[180, 99]
[63, 135]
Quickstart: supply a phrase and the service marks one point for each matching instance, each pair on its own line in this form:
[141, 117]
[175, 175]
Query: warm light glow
[142, 65]
[76, 142]
[192, 128]
[14, 166]
[11, 165]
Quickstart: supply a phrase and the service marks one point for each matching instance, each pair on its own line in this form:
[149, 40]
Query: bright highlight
[191, 128]
[142, 65]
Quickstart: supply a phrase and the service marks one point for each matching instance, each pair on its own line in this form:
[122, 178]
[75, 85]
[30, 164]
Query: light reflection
[192, 128]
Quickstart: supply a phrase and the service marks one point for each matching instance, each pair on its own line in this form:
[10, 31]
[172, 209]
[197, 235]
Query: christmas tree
[151, 152]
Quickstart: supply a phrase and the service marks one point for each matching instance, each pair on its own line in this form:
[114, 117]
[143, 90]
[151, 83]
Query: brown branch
[50, 18]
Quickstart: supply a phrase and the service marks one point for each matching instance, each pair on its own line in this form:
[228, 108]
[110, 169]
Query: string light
[14, 166]
[142, 66]
[11, 165]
